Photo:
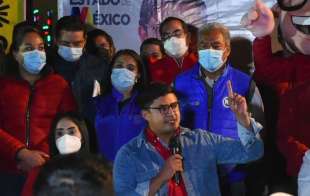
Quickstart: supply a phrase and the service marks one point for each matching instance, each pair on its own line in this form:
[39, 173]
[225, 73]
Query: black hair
[169, 19]
[79, 121]
[142, 70]
[154, 91]
[74, 175]
[69, 23]
[154, 41]
[19, 32]
[91, 44]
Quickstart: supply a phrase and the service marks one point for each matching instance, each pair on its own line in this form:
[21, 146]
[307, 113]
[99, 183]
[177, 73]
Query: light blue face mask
[211, 59]
[34, 61]
[70, 54]
[122, 79]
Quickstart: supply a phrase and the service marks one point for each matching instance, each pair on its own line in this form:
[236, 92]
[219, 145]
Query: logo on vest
[225, 102]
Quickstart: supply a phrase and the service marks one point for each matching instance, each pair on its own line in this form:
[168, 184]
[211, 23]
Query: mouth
[302, 23]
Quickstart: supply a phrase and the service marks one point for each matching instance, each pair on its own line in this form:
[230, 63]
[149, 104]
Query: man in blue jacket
[204, 96]
[146, 165]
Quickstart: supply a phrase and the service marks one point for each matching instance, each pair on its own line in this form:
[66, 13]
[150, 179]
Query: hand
[172, 165]
[29, 159]
[259, 20]
[239, 106]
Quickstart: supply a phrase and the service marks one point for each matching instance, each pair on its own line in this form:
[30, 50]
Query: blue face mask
[122, 79]
[34, 61]
[70, 54]
[210, 59]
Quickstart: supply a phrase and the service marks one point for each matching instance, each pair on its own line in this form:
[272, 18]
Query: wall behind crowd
[131, 21]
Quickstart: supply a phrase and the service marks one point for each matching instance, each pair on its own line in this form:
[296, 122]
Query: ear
[145, 114]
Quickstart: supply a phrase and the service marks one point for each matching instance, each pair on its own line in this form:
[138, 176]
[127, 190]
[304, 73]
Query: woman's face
[67, 126]
[128, 62]
[102, 42]
[32, 41]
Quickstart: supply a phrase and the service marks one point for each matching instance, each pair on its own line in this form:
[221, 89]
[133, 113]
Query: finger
[43, 154]
[229, 88]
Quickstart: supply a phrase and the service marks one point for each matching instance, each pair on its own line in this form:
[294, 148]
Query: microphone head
[175, 145]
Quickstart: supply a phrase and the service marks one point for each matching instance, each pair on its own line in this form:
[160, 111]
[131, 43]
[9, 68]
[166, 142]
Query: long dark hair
[143, 80]
[19, 32]
[79, 121]
[91, 45]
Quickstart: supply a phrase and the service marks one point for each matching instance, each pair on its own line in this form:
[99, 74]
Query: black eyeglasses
[177, 33]
[289, 5]
[164, 109]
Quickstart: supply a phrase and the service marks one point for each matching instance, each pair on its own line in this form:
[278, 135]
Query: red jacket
[272, 69]
[166, 69]
[294, 126]
[26, 114]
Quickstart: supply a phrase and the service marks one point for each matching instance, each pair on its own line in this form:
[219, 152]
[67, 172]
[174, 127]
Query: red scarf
[173, 188]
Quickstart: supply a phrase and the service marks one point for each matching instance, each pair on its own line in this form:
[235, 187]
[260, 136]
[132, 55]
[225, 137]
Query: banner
[11, 12]
[131, 21]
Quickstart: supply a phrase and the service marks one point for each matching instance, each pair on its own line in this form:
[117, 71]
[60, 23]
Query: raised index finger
[230, 90]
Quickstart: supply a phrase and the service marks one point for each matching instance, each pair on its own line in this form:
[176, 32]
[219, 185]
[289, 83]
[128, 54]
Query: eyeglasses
[177, 33]
[289, 5]
[164, 109]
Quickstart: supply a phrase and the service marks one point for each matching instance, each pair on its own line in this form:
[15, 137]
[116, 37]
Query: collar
[119, 96]
[141, 138]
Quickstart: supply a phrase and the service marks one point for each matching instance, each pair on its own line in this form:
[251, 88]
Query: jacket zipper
[28, 116]
[210, 104]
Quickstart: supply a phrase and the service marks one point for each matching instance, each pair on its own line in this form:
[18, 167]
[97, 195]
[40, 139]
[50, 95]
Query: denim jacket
[138, 162]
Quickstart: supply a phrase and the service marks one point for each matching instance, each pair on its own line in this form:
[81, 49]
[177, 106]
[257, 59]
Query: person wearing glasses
[118, 116]
[146, 165]
[176, 38]
[204, 96]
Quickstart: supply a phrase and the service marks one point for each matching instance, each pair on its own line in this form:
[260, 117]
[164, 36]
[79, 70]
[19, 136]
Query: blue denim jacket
[138, 162]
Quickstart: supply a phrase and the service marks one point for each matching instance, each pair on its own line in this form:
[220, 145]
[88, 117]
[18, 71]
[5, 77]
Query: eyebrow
[60, 129]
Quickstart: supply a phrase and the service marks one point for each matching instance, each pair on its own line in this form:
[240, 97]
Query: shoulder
[192, 72]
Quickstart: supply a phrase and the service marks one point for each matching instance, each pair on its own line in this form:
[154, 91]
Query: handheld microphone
[176, 148]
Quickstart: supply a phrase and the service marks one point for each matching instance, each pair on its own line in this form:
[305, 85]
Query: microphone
[176, 148]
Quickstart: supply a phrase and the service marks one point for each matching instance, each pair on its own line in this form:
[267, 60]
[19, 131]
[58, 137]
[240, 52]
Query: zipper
[28, 116]
[210, 104]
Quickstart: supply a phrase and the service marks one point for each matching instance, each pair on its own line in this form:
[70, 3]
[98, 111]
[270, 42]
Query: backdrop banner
[131, 21]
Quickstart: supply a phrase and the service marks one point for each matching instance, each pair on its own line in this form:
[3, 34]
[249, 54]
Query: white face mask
[34, 61]
[122, 79]
[175, 47]
[70, 54]
[67, 144]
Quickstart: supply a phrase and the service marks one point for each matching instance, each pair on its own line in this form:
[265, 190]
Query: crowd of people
[182, 117]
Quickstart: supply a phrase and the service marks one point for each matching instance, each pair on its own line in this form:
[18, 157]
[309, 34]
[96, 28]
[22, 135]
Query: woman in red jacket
[30, 97]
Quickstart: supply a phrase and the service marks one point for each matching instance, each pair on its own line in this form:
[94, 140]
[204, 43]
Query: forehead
[164, 100]
[211, 36]
[125, 58]
[65, 123]
[100, 39]
[172, 26]
[150, 48]
[32, 38]
[71, 35]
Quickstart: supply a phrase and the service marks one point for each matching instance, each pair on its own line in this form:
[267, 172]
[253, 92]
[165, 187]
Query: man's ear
[145, 114]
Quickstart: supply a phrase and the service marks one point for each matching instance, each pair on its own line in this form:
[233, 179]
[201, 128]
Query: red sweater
[166, 69]
[294, 127]
[272, 69]
[49, 95]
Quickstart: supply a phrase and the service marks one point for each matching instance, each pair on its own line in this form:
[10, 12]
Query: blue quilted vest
[215, 116]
